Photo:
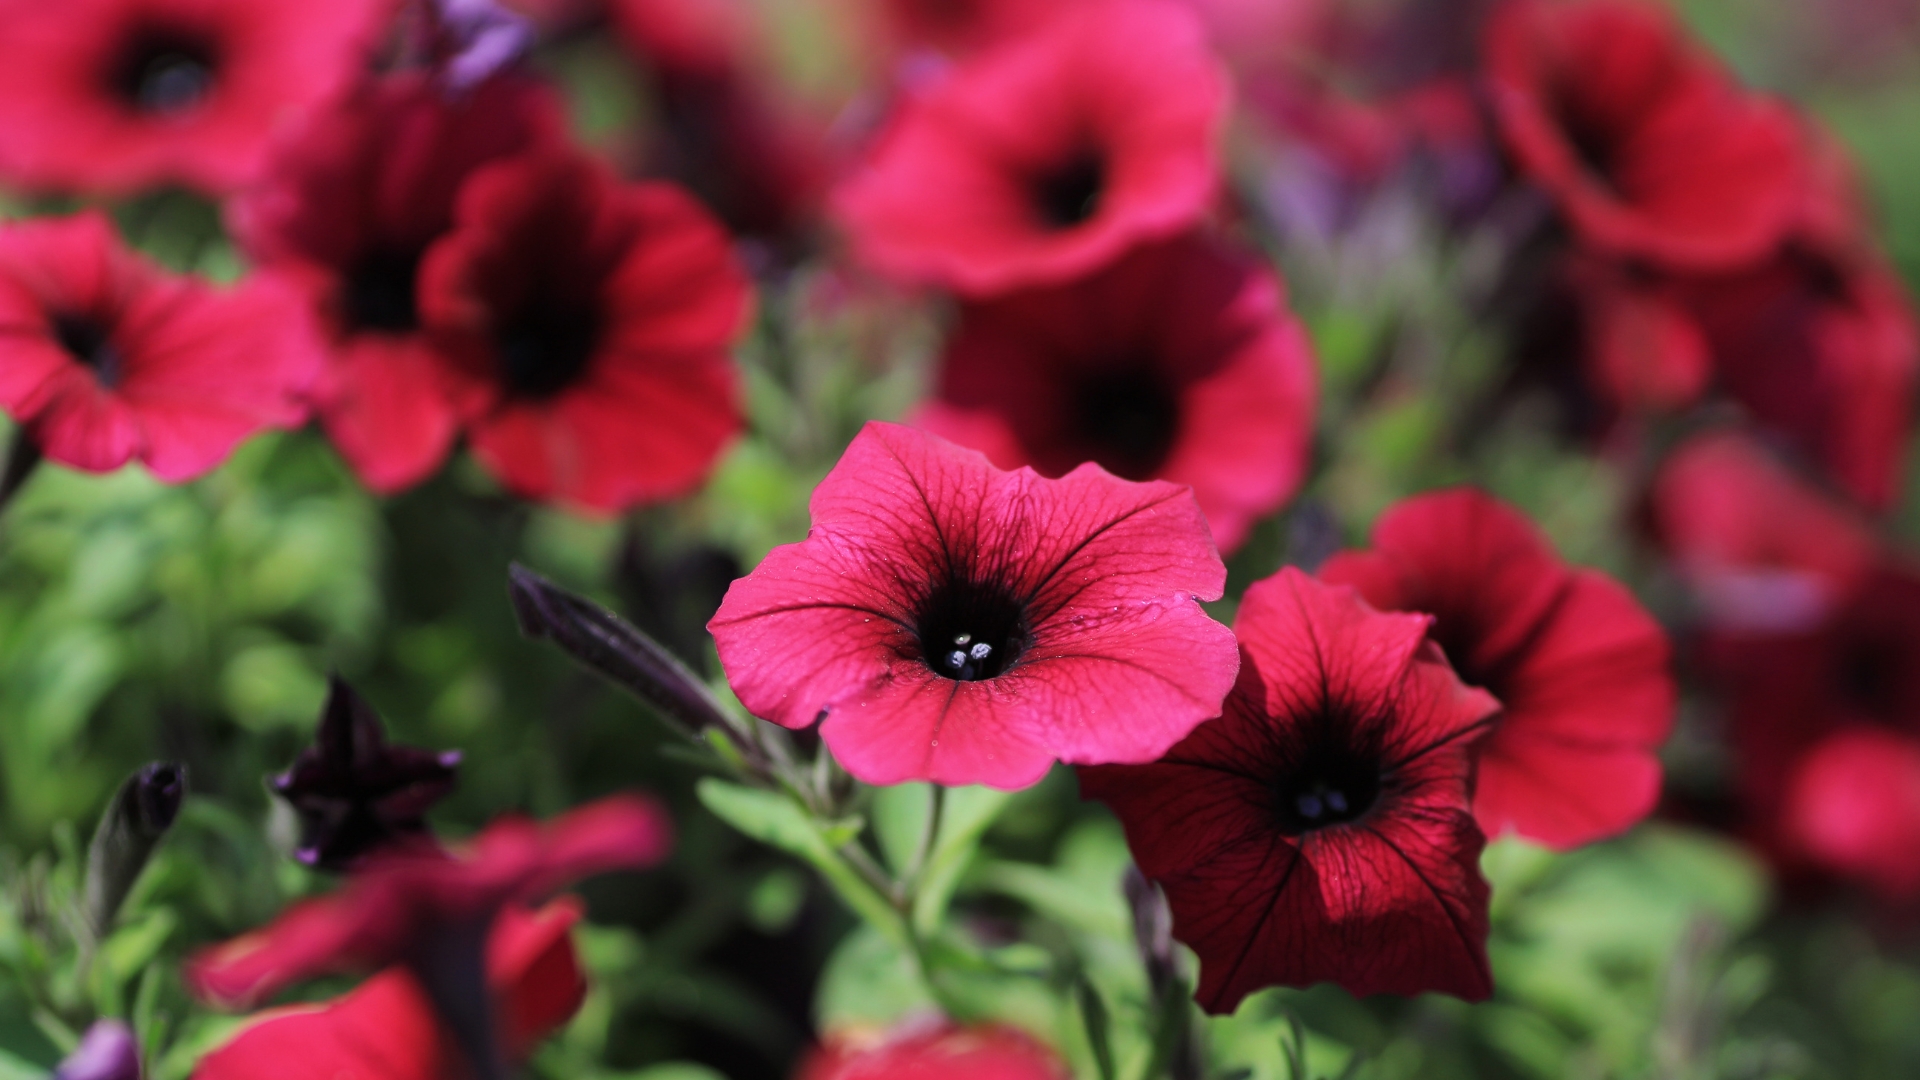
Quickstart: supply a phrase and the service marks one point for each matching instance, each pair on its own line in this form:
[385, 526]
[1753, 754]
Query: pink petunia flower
[1180, 362]
[1044, 160]
[106, 358]
[940, 1051]
[947, 621]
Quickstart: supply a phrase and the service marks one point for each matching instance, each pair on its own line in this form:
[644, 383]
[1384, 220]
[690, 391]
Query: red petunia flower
[111, 96]
[1650, 148]
[598, 316]
[956, 27]
[1043, 160]
[347, 206]
[405, 906]
[951, 622]
[1580, 668]
[1180, 362]
[386, 1029]
[1822, 349]
[106, 358]
[1320, 829]
[936, 1052]
[721, 130]
[1813, 633]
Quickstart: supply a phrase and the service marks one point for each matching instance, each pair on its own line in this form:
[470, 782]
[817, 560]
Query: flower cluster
[1284, 594]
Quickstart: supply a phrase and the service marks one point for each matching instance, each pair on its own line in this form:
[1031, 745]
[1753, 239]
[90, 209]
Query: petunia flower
[599, 317]
[937, 1051]
[432, 912]
[1044, 160]
[353, 791]
[1580, 668]
[1822, 348]
[1320, 830]
[347, 205]
[721, 127]
[955, 28]
[1649, 147]
[385, 1029]
[105, 358]
[112, 96]
[947, 621]
[1812, 633]
[1180, 362]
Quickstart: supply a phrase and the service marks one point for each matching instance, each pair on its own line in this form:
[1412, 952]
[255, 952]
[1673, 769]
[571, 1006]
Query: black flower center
[1069, 194]
[165, 71]
[1328, 788]
[379, 292]
[972, 631]
[546, 347]
[1129, 419]
[1869, 677]
[88, 342]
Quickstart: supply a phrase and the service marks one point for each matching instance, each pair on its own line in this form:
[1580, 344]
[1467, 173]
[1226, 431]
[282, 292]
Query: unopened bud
[108, 1051]
[140, 814]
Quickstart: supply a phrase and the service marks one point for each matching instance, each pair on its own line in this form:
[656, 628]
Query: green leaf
[1093, 1014]
[900, 817]
[781, 822]
[869, 981]
[968, 812]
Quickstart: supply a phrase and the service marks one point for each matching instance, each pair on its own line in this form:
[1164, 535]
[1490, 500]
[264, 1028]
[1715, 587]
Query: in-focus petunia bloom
[1649, 147]
[1812, 631]
[347, 205]
[107, 358]
[1045, 159]
[353, 791]
[1581, 670]
[937, 1051]
[1321, 830]
[1180, 362]
[947, 621]
[599, 317]
[111, 96]
[385, 1029]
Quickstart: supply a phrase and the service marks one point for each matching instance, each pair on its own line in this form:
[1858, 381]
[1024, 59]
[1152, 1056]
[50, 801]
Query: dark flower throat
[88, 342]
[164, 71]
[1069, 194]
[970, 631]
[379, 292]
[546, 347]
[1127, 422]
[1330, 784]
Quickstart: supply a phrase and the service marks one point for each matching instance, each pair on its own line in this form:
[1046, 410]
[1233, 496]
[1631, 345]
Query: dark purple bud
[108, 1051]
[353, 791]
[615, 649]
[141, 813]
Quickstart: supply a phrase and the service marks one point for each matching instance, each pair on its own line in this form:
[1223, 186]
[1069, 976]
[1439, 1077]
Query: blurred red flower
[722, 129]
[936, 1052]
[1320, 829]
[1580, 668]
[347, 205]
[106, 358]
[1824, 351]
[413, 905]
[1813, 631]
[386, 1029]
[947, 621]
[956, 28]
[1045, 159]
[1180, 362]
[111, 96]
[1650, 148]
[599, 317]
